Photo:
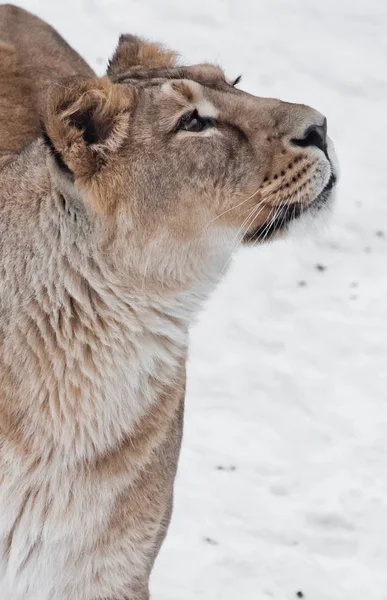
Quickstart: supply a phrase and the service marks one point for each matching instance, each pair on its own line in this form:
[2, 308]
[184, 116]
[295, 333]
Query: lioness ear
[84, 122]
[135, 52]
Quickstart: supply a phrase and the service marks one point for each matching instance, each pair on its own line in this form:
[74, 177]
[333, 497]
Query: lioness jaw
[116, 221]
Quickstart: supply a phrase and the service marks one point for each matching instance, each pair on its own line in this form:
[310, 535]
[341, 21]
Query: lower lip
[323, 197]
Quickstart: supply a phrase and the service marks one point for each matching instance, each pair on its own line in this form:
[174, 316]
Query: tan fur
[134, 52]
[32, 56]
[115, 225]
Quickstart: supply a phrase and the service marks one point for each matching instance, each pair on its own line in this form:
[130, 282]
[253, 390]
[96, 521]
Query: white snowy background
[282, 484]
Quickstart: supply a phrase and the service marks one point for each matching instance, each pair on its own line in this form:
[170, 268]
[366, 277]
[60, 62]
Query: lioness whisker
[232, 208]
[271, 220]
[254, 212]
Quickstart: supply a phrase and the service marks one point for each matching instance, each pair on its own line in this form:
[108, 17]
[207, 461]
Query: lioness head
[178, 164]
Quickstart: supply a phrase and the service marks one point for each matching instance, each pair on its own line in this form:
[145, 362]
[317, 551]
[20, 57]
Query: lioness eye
[195, 123]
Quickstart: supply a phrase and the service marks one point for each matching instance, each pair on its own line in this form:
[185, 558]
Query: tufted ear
[135, 52]
[85, 121]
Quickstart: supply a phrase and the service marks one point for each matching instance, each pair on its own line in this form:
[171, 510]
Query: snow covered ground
[282, 486]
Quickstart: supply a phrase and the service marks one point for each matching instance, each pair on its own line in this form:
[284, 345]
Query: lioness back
[32, 55]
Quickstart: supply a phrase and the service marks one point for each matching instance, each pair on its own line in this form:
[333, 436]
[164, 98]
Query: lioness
[117, 216]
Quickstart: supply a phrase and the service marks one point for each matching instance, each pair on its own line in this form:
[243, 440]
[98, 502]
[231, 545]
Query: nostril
[315, 135]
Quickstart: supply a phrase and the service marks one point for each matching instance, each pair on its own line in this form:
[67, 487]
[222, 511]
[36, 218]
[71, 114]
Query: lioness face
[184, 157]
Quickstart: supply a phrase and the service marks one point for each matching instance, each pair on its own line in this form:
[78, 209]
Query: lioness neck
[90, 353]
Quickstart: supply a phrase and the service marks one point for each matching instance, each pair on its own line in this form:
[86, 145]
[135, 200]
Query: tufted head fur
[132, 51]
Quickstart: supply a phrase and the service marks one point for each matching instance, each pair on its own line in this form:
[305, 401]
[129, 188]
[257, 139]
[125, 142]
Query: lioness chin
[116, 221]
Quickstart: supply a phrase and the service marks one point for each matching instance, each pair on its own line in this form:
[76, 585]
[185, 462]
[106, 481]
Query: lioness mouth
[285, 214]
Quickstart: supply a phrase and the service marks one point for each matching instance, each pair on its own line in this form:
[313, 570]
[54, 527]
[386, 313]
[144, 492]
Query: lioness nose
[315, 135]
